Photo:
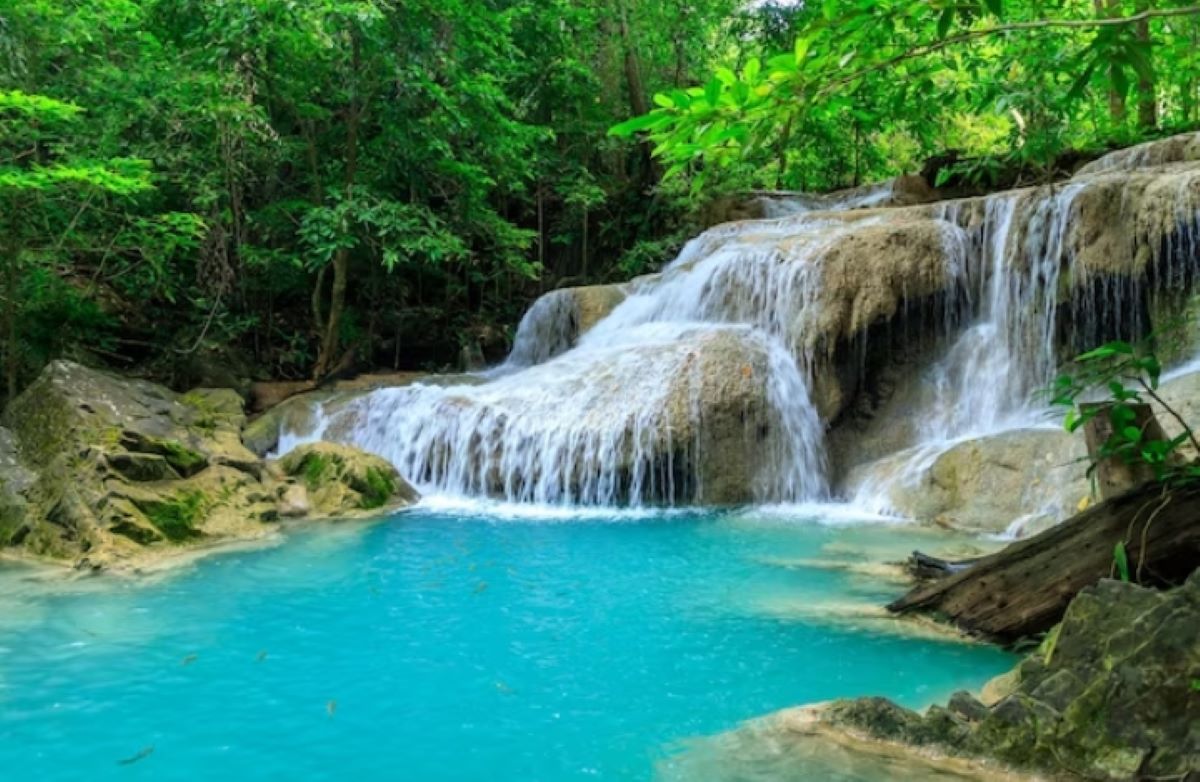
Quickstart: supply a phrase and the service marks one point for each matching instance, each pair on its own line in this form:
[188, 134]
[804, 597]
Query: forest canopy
[285, 189]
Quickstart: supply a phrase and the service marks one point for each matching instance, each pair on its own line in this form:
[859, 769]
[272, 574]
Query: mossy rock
[343, 480]
[1111, 695]
[176, 516]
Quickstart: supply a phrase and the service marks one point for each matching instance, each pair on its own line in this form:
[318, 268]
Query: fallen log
[1025, 588]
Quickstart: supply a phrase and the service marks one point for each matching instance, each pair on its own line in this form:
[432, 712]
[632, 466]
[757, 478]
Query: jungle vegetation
[299, 188]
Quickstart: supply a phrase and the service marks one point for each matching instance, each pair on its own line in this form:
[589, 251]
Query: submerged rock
[1110, 695]
[107, 472]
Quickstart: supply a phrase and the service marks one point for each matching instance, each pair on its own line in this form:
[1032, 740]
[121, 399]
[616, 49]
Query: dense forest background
[203, 190]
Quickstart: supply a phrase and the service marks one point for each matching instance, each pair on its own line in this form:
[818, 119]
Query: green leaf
[1121, 559]
[712, 91]
[664, 100]
[633, 125]
[944, 22]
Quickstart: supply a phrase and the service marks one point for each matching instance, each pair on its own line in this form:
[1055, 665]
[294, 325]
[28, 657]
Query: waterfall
[611, 424]
[546, 330]
[714, 380]
[991, 377]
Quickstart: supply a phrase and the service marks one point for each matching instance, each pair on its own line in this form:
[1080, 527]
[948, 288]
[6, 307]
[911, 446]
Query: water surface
[446, 645]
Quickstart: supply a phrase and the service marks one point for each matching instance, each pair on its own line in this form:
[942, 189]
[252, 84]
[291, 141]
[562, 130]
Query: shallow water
[447, 645]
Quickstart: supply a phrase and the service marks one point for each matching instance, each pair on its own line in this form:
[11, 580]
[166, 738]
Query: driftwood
[1025, 588]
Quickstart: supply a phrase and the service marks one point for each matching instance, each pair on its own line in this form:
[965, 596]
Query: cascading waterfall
[990, 378]
[617, 423]
[703, 376]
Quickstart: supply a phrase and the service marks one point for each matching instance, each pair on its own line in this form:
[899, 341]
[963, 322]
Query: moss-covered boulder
[105, 472]
[1110, 695]
[340, 480]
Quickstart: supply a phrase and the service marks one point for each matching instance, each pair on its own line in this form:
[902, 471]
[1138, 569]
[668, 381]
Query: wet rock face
[556, 321]
[1110, 695]
[105, 472]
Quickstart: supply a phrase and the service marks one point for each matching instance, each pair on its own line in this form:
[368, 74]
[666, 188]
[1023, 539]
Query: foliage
[382, 179]
[1036, 78]
[1127, 375]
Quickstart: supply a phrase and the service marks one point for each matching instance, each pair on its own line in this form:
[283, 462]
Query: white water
[991, 378]
[720, 352]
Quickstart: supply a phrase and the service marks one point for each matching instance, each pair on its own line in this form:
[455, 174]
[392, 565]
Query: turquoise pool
[446, 644]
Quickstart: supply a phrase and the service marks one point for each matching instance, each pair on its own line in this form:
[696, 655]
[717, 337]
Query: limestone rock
[296, 414]
[15, 480]
[340, 480]
[1175, 149]
[556, 321]
[105, 472]
[1109, 696]
[294, 503]
[1019, 481]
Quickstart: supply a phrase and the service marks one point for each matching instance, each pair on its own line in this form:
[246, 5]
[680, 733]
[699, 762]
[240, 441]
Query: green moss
[314, 468]
[176, 516]
[378, 490]
[182, 458]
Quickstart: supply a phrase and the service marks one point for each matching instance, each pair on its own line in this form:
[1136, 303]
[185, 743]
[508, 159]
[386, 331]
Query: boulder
[556, 321]
[107, 472]
[340, 480]
[15, 480]
[1019, 481]
[1110, 695]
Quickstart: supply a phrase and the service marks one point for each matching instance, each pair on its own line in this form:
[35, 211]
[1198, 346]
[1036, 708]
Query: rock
[1109, 696]
[340, 480]
[296, 414]
[1018, 481]
[556, 321]
[1175, 149]
[294, 503]
[112, 473]
[15, 480]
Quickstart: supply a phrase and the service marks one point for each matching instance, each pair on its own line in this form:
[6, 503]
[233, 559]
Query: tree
[45, 193]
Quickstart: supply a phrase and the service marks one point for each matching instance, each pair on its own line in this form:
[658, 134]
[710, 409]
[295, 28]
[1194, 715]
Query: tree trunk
[331, 339]
[1025, 588]
[584, 253]
[633, 70]
[1147, 92]
[1114, 476]
[1116, 101]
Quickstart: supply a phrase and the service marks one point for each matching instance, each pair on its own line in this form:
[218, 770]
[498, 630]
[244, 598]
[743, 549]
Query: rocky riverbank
[1113, 693]
[103, 473]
